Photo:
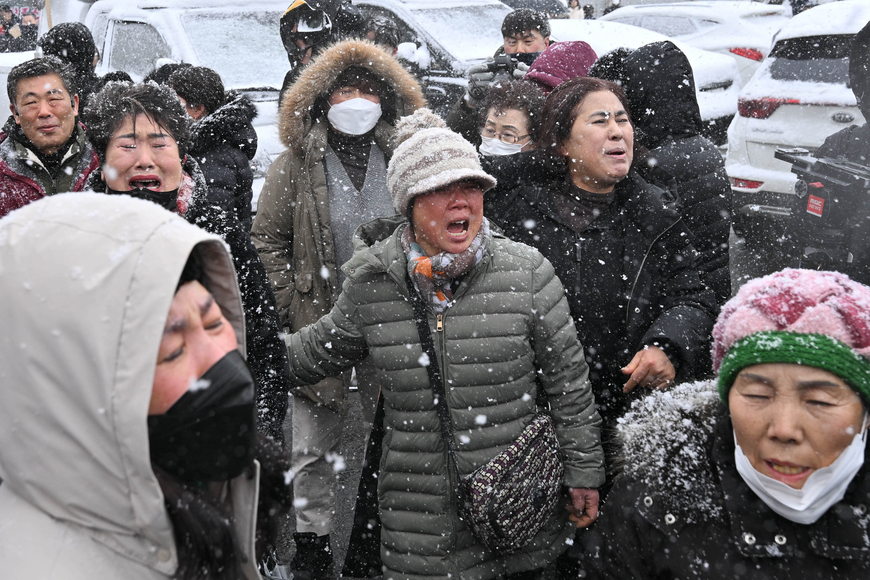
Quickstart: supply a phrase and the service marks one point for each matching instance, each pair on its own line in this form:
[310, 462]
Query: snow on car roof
[187, 4]
[415, 4]
[719, 8]
[846, 17]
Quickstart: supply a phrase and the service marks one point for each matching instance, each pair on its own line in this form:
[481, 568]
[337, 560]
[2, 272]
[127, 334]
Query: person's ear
[74, 103]
[14, 110]
[547, 41]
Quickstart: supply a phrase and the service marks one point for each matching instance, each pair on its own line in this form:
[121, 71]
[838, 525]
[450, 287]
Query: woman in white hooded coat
[87, 282]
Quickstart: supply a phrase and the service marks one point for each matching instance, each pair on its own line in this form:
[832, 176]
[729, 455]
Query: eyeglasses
[509, 138]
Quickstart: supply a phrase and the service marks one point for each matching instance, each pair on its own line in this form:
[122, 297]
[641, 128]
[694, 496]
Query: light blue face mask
[822, 489]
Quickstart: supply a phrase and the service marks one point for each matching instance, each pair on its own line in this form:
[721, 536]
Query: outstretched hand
[583, 506]
[651, 368]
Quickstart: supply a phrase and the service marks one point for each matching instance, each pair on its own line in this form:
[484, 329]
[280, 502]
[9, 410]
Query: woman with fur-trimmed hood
[337, 121]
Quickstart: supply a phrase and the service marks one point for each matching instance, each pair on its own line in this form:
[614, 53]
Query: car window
[98, 29]
[630, 20]
[217, 36]
[822, 59]
[467, 32]
[136, 46]
[669, 25]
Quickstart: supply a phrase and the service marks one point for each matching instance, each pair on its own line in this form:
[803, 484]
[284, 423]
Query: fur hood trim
[229, 125]
[666, 438]
[295, 116]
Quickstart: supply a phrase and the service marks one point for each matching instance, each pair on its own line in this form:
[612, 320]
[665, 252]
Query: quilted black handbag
[508, 500]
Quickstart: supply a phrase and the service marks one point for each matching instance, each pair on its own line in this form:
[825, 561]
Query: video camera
[502, 66]
[831, 219]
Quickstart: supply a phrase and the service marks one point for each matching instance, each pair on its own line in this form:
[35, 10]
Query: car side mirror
[416, 55]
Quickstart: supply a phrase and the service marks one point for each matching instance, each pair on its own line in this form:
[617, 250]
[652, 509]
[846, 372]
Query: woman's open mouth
[787, 473]
[152, 183]
[458, 228]
[619, 152]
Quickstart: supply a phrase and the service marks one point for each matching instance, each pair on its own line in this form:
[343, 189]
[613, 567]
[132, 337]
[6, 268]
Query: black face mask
[526, 57]
[165, 199]
[208, 434]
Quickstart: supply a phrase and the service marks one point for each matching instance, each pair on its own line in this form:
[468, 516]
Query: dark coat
[852, 143]
[631, 279]
[223, 144]
[267, 354]
[660, 88]
[681, 510]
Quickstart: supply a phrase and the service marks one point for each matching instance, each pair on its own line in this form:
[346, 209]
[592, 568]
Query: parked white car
[741, 30]
[717, 80]
[798, 97]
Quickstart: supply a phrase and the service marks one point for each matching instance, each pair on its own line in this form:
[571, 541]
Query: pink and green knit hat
[818, 319]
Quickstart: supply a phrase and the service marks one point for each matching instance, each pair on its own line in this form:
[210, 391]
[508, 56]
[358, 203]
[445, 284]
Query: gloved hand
[479, 77]
[520, 71]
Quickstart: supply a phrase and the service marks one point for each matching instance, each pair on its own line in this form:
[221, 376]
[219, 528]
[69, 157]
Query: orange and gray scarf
[432, 275]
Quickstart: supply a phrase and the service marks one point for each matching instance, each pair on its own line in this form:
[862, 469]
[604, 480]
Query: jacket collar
[384, 254]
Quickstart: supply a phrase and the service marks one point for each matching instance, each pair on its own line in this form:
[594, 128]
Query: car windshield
[823, 59]
[217, 36]
[466, 32]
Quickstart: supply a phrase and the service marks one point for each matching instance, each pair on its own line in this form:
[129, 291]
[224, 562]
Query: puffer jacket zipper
[451, 482]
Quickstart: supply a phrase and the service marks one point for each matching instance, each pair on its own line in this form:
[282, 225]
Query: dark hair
[358, 76]
[39, 67]
[561, 108]
[72, 42]
[108, 109]
[516, 94]
[611, 66]
[386, 31]
[207, 544]
[199, 85]
[161, 74]
[194, 269]
[523, 20]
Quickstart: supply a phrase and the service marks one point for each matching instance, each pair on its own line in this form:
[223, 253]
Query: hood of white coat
[86, 282]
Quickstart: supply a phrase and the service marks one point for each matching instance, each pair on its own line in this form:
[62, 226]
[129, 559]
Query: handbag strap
[432, 369]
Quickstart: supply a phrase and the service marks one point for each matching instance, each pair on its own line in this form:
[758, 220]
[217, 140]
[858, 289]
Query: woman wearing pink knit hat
[762, 473]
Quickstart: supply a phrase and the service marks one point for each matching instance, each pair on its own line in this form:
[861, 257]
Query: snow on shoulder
[665, 438]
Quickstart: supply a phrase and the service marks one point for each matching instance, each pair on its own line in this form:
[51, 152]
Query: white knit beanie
[429, 157]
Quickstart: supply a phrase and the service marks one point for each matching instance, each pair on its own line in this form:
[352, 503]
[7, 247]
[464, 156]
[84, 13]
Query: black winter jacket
[267, 354]
[223, 144]
[631, 279]
[853, 143]
[660, 88]
[681, 510]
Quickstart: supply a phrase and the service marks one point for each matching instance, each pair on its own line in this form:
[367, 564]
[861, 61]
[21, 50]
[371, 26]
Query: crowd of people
[555, 250]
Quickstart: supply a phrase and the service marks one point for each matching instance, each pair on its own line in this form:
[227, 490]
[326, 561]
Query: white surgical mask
[493, 146]
[822, 489]
[354, 116]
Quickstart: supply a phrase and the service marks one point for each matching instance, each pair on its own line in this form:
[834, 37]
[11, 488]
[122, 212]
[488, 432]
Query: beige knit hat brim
[431, 159]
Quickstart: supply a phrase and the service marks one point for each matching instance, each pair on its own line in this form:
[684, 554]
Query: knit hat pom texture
[429, 157]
